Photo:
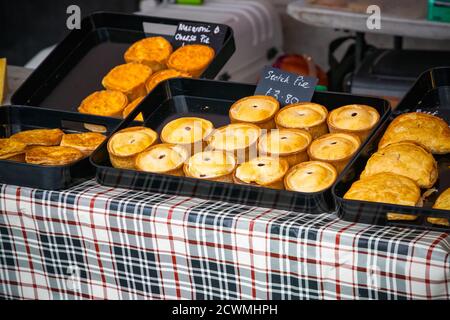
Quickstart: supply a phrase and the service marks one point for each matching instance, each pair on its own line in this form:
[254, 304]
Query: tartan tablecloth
[98, 242]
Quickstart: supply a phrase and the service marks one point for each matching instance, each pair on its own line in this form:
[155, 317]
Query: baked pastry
[442, 203]
[153, 52]
[430, 131]
[259, 110]
[39, 137]
[161, 76]
[189, 132]
[86, 142]
[192, 59]
[108, 103]
[130, 107]
[211, 165]
[354, 118]
[162, 158]
[310, 176]
[262, 171]
[240, 139]
[404, 158]
[304, 115]
[53, 155]
[126, 144]
[129, 78]
[334, 148]
[12, 150]
[289, 144]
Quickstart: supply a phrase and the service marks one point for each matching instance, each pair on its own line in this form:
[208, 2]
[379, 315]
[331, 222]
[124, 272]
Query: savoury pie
[192, 59]
[85, 142]
[442, 203]
[430, 131]
[262, 171]
[39, 137]
[53, 155]
[106, 103]
[162, 158]
[130, 107]
[289, 144]
[12, 150]
[310, 176]
[354, 118]
[334, 148]
[153, 52]
[211, 165]
[304, 115]
[161, 76]
[259, 110]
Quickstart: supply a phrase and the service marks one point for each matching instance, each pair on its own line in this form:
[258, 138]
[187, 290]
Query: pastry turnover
[126, 144]
[53, 155]
[85, 142]
[304, 115]
[106, 103]
[153, 52]
[211, 165]
[240, 139]
[130, 107]
[161, 76]
[443, 203]
[259, 110]
[407, 159]
[129, 78]
[334, 148]
[12, 150]
[310, 176]
[430, 131]
[192, 59]
[162, 158]
[262, 171]
[354, 118]
[289, 144]
[39, 137]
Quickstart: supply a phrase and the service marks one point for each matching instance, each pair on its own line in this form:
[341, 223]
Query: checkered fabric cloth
[95, 242]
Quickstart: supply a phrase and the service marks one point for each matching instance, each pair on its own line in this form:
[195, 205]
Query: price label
[286, 87]
[200, 33]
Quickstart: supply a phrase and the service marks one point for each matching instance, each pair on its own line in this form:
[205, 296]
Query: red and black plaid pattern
[95, 242]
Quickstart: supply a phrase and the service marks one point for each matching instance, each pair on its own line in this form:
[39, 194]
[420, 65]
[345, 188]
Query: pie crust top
[262, 170]
[104, 103]
[301, 115]
[334, 146]
[254, 109]
[353, 117]
[310, 176]
[210, 164]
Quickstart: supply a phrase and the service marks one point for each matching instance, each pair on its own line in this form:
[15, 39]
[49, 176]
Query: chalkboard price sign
[211, 35]
[286, 87]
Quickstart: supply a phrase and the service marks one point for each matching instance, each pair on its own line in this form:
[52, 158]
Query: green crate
[439, 10]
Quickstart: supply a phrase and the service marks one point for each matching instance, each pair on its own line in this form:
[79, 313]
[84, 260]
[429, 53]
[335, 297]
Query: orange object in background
[303, 65]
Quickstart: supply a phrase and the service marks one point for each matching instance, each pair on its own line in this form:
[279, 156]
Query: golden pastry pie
[259, 110]
[262, 171]
[130, 107]
[162, 158]
[12, 150]
[442, 203]
[129, 78]
[192, 59]
[430, 131]
[334, 148]
[161, 76]
[354, 118]
[404, 158]
[53, 155]
[211, 165]
[189, 132]
[289, 144]
[304, 115]
[106, 103]
[310, 176]
[153, 52]
[126, 144]
[240, 139]
[39, 137]
[86, 142]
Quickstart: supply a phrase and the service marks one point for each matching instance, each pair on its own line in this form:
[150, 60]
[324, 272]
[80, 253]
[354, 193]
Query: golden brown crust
[152, 51]
[262, 171]
[258, 110]
[130, 107]
[86, 142]
[442, 203]
[108, 103]
[311, 176]
[162, 158]
[53, 155]
[211, 165]
[192, 59]
[39, 137]
[11, 149]
[163, 75]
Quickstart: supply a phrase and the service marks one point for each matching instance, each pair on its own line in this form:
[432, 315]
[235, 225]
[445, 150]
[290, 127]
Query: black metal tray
[19, 118]
[75, 68]
[431, 94]
[212, 100]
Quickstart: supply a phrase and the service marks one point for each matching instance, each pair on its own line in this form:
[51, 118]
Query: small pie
[354, 118]
[12, 150]
[211, 165]
[304, 115]
[39, 137]
[289, 144]
[192, 59]
[162, 158]
[161, 76]
[430, 131]
[334, 148]
[106, 103]
[86, 142]
[126, 144]
[259, 110]
[262, 171]
[130, 107]
[129, 78]
[442, 203]
[153, 52]
[310, 176]
[53, 155]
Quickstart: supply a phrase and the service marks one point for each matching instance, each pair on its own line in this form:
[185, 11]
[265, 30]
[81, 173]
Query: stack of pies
[258, 110]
